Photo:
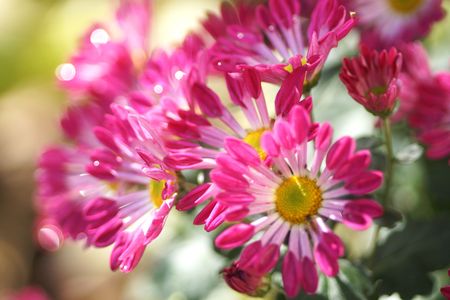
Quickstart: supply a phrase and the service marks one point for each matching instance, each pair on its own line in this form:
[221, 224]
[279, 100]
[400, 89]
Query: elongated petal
[291, 274]
[235, 236]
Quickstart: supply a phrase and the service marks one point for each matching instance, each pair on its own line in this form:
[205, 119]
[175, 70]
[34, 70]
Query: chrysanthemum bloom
[104, 68]
[282, 40]
[245, 282]
[371, 79]
[63, 185]
[167, 77]
[247, 96]
[387, 23]
[131, 160]
[425, 101]
[291, 200]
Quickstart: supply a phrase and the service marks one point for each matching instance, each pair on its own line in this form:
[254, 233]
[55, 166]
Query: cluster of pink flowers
[138, 120]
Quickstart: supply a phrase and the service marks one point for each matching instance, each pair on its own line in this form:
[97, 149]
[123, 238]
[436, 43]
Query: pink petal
[340, 152]
[364, 183]
[241, 198]
[192, 199]
[323, 137]
[229, 182]
[282, 131]
[242, 151]
[235, 89]
[309, 277]
[326, 259]
[252, 82]
[235, 236]
[291, 274]
[268, 258]
[181, 161]
[208, 100]
[334, 243]
[300, 120]
[269, 144]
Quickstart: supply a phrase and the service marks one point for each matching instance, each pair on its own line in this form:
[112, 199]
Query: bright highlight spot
[99, 37]
[179, 74]
[158, 89]
[65, 72]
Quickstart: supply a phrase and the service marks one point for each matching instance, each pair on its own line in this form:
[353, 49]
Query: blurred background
[38, 35]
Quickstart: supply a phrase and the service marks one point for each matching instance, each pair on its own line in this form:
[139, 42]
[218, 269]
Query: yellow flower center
[253, 138]
[297, 199]
[405, 6]
[155, 189]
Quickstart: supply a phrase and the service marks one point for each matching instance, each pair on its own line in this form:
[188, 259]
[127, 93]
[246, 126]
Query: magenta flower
[63, 189]
[131, 160]
[371, 79]
[290, 199]
[247, 96]
[63, 185]
[168, 76]
[245, 282]
[425, 101]
[388, 23]
[281, 40]
[105, 68]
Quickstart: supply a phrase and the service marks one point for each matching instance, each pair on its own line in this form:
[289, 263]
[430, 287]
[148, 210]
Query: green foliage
[403, 262]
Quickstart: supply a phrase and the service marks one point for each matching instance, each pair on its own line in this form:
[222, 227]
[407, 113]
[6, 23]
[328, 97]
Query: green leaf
[403, 262]
[368, 142]
[391, 217]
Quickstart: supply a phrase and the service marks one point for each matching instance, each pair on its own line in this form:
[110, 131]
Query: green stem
[390, 160]
[388, 174]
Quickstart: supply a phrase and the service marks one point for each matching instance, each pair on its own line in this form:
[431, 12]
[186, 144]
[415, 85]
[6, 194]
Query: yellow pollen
[297, 199]
[112, 186]
[289, 68]
[155, 189]
[253, 138]
[405, 6]
[304, 61]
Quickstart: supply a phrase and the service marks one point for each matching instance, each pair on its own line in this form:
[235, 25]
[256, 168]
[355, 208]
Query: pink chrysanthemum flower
[371, 79]
[245, 282]
[131, 160]
[63, 185]
[425, 101]
[209, 133]
[387, 23]
[291, 199]
[282, 39]
[167, 77]
[105, 68]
